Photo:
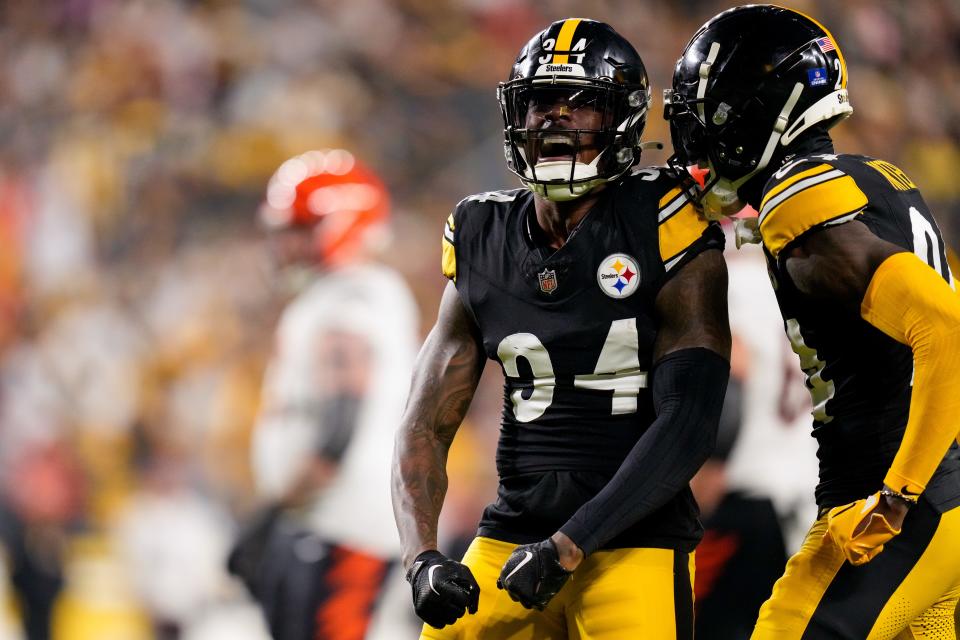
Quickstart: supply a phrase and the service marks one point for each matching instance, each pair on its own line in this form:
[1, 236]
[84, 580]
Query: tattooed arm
[444, 380]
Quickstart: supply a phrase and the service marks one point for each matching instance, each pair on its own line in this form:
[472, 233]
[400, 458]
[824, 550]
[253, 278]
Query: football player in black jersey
[602, 295]
[869, 303]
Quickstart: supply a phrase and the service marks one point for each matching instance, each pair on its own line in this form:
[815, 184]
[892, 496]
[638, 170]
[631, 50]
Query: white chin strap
[722, 200]
[557, 174]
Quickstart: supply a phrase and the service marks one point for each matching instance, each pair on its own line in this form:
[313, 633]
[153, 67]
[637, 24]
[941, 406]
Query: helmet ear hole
[638, 98]
[625, 155]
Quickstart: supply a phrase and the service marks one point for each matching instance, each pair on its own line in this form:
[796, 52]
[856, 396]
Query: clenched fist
[443, 589]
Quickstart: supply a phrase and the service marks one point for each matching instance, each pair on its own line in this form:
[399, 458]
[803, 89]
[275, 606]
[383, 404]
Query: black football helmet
[580, 63]
[749, 83]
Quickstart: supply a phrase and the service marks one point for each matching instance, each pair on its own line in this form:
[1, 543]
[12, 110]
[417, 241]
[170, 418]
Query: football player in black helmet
[869, 303]
[606, 91]
[602, 295]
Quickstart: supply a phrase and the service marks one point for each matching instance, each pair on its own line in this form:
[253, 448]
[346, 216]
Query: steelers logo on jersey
[618, 275]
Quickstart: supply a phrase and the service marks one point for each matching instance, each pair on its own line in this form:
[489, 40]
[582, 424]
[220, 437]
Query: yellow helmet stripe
[564, 40]
[843, 63]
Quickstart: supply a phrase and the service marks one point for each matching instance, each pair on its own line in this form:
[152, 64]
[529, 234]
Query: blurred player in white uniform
[774, 455]
[756, 493]
[322, 557]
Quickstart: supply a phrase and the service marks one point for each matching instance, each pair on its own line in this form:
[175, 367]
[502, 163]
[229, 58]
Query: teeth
[557, 140]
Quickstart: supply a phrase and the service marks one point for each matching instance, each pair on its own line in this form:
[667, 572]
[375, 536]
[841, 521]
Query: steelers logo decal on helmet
[618, 275]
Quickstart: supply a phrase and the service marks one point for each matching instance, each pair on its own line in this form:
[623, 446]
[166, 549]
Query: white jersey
[375, 304]
[775, 455]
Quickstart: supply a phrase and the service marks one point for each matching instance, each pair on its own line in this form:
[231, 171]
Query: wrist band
[890, 493]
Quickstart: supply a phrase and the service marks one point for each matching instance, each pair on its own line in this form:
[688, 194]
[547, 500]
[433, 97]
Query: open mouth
[554, 148]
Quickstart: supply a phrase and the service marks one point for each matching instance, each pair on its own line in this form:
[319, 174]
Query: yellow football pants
[908, 592]
[624, 593]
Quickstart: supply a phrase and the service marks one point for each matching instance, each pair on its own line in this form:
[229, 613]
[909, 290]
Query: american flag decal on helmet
[825, 44]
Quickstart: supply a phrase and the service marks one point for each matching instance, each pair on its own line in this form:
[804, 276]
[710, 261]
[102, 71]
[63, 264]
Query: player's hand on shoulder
[532, 574]
[443, 589]
[861, 528]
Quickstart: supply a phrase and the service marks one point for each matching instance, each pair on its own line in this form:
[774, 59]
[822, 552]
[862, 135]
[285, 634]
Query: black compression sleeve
[688, 390]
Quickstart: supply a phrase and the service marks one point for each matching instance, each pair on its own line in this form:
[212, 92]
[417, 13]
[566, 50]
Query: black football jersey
[859, 378]
[573, 330]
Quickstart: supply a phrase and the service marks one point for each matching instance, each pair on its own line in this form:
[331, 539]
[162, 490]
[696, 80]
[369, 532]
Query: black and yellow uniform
[859, 378]
[861, 382]
[573, 330]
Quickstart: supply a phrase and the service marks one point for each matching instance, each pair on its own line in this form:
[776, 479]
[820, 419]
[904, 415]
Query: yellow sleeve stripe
[668, 196]
[678, 232]
[795, 188]
[792, 180]
[672, 202]
[448, 230]
[448, 261]
[830, 201]
[564, 40]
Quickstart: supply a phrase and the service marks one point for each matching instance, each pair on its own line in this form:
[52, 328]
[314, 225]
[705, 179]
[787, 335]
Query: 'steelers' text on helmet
[749, 82]
[333, 193]
[585, 64]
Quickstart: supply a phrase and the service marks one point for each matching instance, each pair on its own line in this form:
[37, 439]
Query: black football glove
[532, 574]
[443, 589]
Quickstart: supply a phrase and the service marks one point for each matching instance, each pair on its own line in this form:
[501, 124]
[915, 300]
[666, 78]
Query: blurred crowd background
[136, 299]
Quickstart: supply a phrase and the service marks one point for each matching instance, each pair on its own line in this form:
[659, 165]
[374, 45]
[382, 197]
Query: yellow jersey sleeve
[449, 259]
[818, 196]
[912, 304]
[679, 227]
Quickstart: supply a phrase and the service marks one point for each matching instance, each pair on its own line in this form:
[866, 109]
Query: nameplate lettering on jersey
[893, 174]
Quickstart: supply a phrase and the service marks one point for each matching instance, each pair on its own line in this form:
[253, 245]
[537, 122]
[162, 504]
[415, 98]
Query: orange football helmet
[332, 192]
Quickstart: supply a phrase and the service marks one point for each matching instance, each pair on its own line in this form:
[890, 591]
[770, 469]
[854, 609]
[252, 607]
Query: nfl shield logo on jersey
[548, 280]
